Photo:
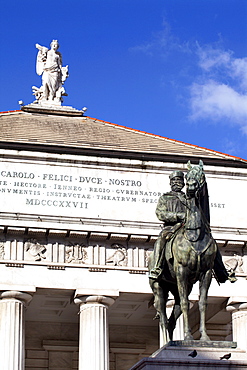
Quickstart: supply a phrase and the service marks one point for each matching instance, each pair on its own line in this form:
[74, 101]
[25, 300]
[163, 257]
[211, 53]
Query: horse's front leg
[184, 288]
[204, 286]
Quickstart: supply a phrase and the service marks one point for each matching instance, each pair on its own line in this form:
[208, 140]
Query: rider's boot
[231, 277]
[155, 273]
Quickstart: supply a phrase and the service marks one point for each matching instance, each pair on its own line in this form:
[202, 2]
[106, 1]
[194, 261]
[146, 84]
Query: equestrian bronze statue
[185, 251]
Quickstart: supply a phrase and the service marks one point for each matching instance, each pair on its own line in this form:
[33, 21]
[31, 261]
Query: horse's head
[195, 179]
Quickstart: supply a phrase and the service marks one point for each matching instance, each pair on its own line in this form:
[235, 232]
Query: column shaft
[12, 333]
[239, 323]
[94, 332]
[239, 328]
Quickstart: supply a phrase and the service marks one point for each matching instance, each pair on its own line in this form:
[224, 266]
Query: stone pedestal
[49, 108]
[94, 333]
[175, 355]
[239, 323]
[12, 329]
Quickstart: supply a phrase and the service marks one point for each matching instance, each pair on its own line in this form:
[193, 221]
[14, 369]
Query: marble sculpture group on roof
[49, 65]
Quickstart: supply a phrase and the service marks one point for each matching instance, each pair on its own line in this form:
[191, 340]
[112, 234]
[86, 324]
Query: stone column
[239, 323]
[12, 329]
[94, 333]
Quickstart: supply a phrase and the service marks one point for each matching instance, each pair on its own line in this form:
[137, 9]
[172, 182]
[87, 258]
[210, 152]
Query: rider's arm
[164, 214]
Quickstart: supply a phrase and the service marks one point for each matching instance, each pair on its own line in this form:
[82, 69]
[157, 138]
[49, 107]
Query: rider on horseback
[171, 209]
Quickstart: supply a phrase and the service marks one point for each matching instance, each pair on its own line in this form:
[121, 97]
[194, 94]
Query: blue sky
[175, 68]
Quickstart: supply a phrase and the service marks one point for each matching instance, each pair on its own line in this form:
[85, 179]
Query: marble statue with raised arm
[49, 65]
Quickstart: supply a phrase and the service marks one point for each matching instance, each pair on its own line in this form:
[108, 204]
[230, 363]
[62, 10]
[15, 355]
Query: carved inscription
[97, 192]
[72, 190]
[217, 205]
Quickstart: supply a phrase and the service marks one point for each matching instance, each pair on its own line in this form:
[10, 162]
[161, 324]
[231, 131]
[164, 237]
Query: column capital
[94, 300]
[236, 303]
[237, 306]
[15, 294]
[96, 291]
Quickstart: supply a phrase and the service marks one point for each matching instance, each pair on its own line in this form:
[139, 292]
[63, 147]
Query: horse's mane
[202, 195]
[204, 201]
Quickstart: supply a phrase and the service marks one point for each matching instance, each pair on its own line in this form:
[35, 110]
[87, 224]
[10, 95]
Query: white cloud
[218, 89]
[221, 93]
[211, 58]
[163, 42]
[218, 61]
[217, 101]
[239, 70]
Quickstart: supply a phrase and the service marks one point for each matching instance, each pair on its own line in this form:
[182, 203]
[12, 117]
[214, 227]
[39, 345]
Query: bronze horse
[189, 257]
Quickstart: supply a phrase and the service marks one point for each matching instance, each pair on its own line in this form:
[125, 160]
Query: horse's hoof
[204, 338]
[188, 337]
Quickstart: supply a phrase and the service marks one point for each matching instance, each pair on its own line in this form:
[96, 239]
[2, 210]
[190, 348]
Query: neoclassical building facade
[77, 222]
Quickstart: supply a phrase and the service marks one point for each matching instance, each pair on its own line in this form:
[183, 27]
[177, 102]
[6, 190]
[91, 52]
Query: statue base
[52, 109]
[175, 355]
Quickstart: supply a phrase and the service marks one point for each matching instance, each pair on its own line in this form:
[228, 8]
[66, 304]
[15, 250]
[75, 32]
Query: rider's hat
[176, 174]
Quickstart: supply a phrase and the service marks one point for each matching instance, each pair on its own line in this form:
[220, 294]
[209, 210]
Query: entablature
[96, 251]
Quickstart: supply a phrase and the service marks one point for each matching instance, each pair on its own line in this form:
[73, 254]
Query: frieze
[132, 256]
[1, 250]
[234, 264]
[118, 257]
[76, 253]
[147, 255]
[35, 249]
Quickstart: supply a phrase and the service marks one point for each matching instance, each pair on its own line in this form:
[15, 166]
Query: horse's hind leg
[176, 312]
[184, 289]
[160, 299]
[204, 286]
